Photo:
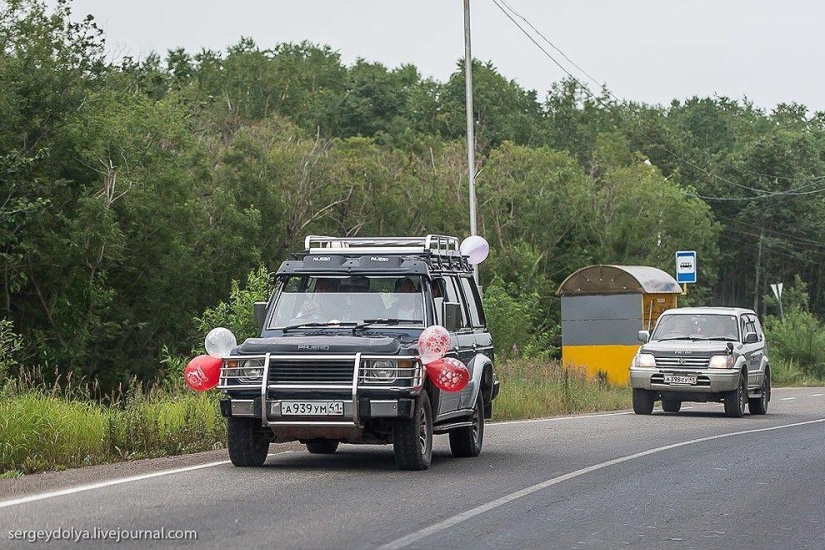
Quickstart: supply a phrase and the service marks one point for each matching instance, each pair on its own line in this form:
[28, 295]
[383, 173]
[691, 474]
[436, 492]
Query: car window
[696, 327]
[749, 324]
[472, 301]
[453, 295]
[759, 328]
[349, 299]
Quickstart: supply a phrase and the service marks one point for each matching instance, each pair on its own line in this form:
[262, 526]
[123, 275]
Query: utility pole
[471, 140]
[756, 290]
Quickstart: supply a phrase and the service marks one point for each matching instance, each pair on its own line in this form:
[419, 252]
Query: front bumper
[348, 385]
[707, 380]
[367, 409]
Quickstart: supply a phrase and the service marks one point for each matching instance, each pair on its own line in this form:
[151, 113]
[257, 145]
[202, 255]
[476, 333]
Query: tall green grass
[534, 388]
[58, 426]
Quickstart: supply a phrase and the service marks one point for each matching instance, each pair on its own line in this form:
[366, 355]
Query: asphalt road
[692, 480]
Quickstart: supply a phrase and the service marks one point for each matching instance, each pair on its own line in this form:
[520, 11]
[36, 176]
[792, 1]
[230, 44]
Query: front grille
[309, 372]
[684, 361]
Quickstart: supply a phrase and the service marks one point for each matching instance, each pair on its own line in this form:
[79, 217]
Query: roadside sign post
[685, 268]
[777, 291]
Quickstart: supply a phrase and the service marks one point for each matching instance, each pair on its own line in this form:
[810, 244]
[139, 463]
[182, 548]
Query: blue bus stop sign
[686, 266]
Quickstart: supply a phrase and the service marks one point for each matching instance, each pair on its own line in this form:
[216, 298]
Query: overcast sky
[644, 50]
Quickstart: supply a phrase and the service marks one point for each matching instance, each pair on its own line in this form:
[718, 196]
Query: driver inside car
[313, 306]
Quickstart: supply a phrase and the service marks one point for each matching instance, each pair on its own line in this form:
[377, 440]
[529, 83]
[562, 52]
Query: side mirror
[751, 338]
[452, 316]
[259, 312]
[644, 336]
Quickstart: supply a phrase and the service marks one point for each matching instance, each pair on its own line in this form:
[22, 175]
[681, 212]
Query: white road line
[556, 418]
[464, 516]
[816, 395]
[788, 398]
[102, 484]
[118, 481]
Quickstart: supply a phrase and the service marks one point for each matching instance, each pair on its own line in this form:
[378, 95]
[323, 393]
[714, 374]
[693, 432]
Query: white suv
[715, 354]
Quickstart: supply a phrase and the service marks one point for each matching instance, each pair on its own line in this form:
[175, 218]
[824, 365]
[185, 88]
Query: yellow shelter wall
[653, 305]
[613, 360]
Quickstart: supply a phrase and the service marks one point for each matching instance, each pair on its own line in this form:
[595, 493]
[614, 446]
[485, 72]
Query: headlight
[380, 370]
[645, 360]
[721, 362]
[383, 370]
[251, 369]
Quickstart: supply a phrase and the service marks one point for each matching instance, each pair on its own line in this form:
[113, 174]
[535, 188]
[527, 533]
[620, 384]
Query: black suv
[337, 358]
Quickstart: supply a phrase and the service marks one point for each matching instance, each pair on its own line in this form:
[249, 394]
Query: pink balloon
[203, 372]
[433, 343]
[448, 374]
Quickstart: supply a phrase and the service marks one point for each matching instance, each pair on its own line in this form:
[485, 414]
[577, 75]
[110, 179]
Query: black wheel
[759, 405]
[247, 440]
[467, 442]
[642, 401]
[322, 446]
[671, 405]
[412, 439]
[735, 400]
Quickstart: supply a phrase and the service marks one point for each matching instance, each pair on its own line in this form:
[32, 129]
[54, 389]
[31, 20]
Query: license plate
[680, 380]
[312, 408]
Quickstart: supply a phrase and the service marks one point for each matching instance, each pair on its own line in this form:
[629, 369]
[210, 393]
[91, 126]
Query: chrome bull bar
[237, 374]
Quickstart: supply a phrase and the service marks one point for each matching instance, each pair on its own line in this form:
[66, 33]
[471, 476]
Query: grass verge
[57, 427]
[533, 388]
[49, 429]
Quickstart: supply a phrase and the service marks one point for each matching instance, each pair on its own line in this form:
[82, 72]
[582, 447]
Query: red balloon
[202, 372]
[448, 374]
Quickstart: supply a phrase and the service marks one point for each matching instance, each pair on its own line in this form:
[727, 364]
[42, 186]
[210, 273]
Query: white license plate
[312, 408]
[680, 380]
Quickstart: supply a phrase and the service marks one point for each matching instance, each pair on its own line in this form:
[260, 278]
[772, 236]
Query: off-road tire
[642, 401]
[322, 446]
[412, 439]
[735, 401]
[467, 442]
[671, 405]
[759, 405]
[247, 440]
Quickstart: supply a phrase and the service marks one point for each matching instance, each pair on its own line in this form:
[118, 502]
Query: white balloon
[476, 248]
[219, 342]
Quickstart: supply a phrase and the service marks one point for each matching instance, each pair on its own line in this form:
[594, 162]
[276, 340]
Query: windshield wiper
[680, 338]
[385, 321]
[327, 324]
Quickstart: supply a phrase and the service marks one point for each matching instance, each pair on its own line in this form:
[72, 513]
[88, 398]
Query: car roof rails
[442, 251]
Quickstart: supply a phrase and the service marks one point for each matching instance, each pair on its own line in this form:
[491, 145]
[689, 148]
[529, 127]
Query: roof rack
[434, 245]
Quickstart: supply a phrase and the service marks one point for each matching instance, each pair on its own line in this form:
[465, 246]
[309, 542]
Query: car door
[483, 340]
[757, 371]
[462, 340]
[749, 350]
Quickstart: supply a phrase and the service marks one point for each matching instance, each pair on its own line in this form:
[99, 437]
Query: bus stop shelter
[603, 308]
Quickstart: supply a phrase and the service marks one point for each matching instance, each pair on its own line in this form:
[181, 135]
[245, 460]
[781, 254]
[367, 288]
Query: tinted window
[472, 301]
[349, 299]
[453, 295]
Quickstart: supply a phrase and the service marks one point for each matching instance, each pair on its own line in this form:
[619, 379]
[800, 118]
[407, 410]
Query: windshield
[696, 327]
[329, 300]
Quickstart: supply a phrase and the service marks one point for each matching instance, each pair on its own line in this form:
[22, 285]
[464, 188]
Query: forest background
[143, 201]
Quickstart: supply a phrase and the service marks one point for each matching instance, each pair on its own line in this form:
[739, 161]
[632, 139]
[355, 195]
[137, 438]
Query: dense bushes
[798, 341]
